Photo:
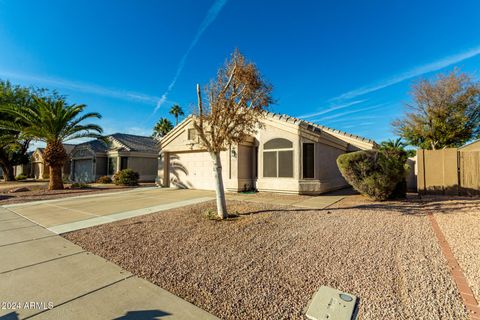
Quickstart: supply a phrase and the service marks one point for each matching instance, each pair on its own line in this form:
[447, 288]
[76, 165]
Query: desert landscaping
[266, 261]
[232, 160]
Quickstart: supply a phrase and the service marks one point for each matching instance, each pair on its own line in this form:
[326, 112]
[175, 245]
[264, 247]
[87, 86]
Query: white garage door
[83, 170]
[192, 170]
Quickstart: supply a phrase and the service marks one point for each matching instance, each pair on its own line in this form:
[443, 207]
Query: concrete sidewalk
[43, 276]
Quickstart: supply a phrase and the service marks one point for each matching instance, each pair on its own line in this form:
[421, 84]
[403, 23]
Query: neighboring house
[40, 170]
[285, 155]
[25, 169]
[96, 158]
[472, 146]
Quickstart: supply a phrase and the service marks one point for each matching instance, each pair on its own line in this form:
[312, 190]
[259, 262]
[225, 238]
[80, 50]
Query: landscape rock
[19, 189]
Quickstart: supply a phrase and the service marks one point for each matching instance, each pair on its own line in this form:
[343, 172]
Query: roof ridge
[128, 134]
[294, 119]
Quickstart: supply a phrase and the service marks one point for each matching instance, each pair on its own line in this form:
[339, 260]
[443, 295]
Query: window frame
[277, 159]
[194, 138]
[123, 161]
[111, 165]
[303, 160]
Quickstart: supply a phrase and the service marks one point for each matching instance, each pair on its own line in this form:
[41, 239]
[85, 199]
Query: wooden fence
[448, 171]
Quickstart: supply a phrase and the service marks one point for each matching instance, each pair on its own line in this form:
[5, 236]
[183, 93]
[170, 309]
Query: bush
[126, 177]
[104, 180]
[21, 176]
[79, 185]
[379, 175]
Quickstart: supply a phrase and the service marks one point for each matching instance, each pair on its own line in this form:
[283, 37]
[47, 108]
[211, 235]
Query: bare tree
[236, 101]
[445, 112]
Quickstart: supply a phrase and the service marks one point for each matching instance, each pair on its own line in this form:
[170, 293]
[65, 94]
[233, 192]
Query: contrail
[209, 18]
[415, 72]
[80, 86]
[337, 115]
[335, 107]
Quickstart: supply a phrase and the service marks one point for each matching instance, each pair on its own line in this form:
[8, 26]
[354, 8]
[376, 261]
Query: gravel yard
[267, 263]
[461, 226]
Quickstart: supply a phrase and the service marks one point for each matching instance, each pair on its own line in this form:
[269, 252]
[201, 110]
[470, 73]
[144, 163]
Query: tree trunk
[220, 191]
[56, 180]
[8, 173]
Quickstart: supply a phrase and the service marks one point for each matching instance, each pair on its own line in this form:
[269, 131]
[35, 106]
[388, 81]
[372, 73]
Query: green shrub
[21, 176]
[79, 185]
[379, 175]
[126, 177]
[104, 180]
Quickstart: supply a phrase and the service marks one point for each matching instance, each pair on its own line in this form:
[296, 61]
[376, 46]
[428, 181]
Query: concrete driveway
[69, 214]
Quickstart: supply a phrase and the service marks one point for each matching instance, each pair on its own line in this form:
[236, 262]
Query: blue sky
[343, 64]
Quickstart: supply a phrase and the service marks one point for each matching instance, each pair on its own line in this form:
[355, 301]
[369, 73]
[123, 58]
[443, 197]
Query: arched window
[278, 158]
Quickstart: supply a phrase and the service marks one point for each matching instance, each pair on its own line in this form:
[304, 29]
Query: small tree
[162, 127]
[237, 99]
[445, 113]
[176, 111]
[13, 146]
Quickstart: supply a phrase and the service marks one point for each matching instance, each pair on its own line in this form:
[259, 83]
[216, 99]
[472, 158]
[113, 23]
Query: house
[285, 155]
[96, 158]
[472, 146]
[38, 168]
[24, 169]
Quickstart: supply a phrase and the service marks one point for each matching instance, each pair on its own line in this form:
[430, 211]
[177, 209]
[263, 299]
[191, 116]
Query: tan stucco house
[40, 171]
[96, 158]
[285, 155]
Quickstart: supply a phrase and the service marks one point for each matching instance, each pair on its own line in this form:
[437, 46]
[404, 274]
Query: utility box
[331, 304]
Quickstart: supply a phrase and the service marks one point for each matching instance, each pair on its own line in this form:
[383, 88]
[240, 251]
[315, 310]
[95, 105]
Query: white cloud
[209, 18]
[333, 108]
[338, 115]
[415, 72]
[79, 87]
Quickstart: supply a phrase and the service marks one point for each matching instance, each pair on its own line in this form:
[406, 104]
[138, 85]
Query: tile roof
[314, 127]
[96, 145]
[136, 143]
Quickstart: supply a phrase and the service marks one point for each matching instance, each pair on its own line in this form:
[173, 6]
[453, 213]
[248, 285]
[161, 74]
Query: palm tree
[176, 111]
[162, 127]
[396, 144]
[53, 121]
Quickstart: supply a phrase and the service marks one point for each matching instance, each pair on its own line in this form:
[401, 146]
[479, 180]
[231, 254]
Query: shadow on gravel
[4, 197]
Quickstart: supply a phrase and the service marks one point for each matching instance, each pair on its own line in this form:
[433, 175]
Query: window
[278, 158]
[308, 160]
[278, 144]
[123, 163]
[192, 134]
[112, 165]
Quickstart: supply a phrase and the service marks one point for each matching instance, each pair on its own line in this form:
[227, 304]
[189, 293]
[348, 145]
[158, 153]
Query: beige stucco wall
[269, 131]
[327, 174]
[146, 167]
[146, 164]
[100, 167]
[191, 166]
